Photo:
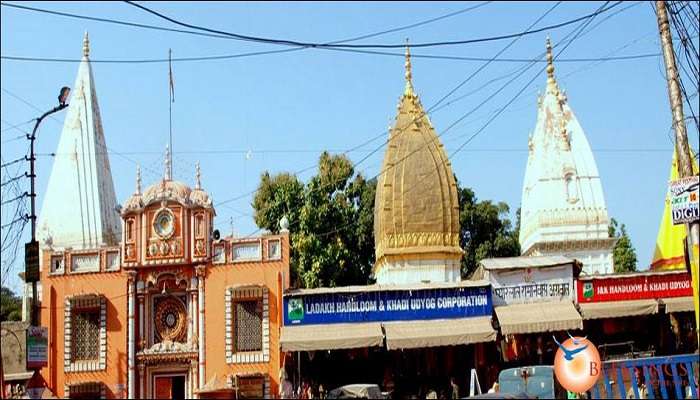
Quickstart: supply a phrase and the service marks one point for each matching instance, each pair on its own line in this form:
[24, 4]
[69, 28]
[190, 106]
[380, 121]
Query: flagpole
[171, 99]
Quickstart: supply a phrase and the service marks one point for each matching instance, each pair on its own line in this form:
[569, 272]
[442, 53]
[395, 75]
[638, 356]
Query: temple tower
[563, 207]
[416, 211]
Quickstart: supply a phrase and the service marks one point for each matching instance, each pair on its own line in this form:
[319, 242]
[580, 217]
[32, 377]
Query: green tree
[624, 255]
[331, 221]
[10, 305]
[485, 230]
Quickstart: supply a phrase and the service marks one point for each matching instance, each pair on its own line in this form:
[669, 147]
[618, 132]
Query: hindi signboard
[387, 305]
[37, 347]
[636, 287]
[684, 200]
[31, 261]
[530, 285]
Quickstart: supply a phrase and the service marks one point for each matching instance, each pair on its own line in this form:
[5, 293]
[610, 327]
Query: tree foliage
[624, 255]
[485, 230]
[10, 305]
[331, 223]
[330, 220]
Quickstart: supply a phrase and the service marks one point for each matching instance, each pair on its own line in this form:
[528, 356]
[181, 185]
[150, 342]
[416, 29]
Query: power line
[16, 178]
[287, 42]
[257, 53]
[25, 194]
[13, 162]
[222, 34]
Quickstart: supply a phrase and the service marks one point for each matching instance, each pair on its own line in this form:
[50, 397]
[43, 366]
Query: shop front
[407, 339]
[638, 314]
[533, 300]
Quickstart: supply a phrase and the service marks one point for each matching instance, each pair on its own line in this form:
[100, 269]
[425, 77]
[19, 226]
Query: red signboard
[636, 287]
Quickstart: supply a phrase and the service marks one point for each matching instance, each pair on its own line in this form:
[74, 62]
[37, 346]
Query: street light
[31, 250]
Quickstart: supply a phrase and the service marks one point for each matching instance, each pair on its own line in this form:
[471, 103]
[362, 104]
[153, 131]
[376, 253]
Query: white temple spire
[79, 207]
[563, 210]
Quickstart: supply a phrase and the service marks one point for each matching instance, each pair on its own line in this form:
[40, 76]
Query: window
[85, 327]
[85, 262]
[112, 261]
[274, 250]
[219, 253]
[85, 390]
[57, 264]
[130, 230]
[248, 325]
[86, 335]
[199, 226]
[246, 251]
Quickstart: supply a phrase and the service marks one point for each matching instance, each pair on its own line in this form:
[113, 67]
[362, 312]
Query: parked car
[357, 391]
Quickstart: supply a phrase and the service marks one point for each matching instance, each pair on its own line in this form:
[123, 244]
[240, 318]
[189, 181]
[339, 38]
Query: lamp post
[32, 248]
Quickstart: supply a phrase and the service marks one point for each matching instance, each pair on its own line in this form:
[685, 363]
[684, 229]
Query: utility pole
[32, 273]
[685, 167]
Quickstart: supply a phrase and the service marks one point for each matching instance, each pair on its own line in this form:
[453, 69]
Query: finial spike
[138, 179]
[550, 60]
[408, 91]
[168, 173]
[198, 176]
[86, 45]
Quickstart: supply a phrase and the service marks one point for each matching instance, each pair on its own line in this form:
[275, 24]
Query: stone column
[142, 379]
[200, 271]
[131, 357]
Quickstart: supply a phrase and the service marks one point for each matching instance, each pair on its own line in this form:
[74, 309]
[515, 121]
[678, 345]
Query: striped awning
[538, 317]
[331, 336]
[614, 309]
[678, 304]
[442, 332]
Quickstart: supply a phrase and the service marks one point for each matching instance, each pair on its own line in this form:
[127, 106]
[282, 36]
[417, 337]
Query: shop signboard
[684, 200]
[31, 261]
[387, 305]
[37, 347]
[635, 287]
[529, 285]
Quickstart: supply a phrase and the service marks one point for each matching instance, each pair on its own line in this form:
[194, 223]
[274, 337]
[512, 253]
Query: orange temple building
[145, 300]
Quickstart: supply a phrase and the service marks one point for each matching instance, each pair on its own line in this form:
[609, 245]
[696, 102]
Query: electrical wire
[257, 53]
[222, 34]
[288, 42]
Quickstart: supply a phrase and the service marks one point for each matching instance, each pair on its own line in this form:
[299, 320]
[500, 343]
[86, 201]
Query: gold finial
[138, 179]
[198, 176]
[86, 45]
[168, 174]
[408, 91]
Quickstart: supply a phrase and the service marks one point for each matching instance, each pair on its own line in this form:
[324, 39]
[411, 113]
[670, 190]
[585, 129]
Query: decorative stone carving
[171, 320]
[169, 347]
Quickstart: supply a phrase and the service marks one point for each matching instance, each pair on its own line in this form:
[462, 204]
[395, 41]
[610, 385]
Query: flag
[170, 69]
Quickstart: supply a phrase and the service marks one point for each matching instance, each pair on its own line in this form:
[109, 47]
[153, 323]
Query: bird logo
[577, 363]
[570, 353]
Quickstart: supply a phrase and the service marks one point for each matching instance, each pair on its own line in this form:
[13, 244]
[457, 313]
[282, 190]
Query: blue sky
[277, 112]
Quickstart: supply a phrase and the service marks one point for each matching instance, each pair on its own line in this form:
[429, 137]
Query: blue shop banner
[388, 305]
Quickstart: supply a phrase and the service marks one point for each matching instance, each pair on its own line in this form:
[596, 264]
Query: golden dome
[416, 211]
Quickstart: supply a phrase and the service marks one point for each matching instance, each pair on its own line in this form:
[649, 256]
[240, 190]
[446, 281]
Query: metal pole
[685, 167]
[32, 195]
